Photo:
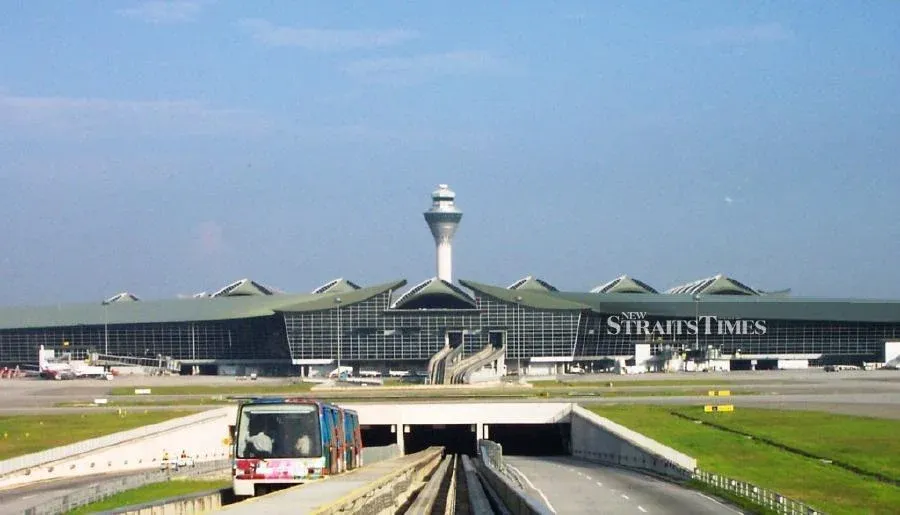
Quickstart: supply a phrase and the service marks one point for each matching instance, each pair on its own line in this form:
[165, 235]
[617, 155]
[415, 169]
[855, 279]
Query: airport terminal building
[247, 326]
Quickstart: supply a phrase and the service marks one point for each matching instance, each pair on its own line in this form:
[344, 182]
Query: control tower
[442, 219]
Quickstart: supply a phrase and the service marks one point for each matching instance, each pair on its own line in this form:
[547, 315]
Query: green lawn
[24, 434]
[824, 486]
[150, 493]
[871, 444]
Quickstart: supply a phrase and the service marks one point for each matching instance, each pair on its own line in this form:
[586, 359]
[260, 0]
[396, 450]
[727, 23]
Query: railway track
[454, 487]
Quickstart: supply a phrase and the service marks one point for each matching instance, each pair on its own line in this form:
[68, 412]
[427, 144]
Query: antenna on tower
[443, 219]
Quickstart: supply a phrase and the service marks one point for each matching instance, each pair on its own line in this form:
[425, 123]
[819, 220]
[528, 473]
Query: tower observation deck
[443, 219]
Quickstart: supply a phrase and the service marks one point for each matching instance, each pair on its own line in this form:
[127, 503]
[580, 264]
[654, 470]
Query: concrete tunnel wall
[598, 439]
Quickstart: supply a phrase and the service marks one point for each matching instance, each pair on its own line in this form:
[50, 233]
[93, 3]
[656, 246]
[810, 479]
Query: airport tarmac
[870, 393]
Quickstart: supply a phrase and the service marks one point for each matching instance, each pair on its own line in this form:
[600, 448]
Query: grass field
[824, 486]
[149, 493]
[24, 434]
[870, 444]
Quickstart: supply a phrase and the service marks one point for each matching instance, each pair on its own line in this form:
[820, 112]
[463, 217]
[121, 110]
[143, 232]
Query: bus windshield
[279, 431]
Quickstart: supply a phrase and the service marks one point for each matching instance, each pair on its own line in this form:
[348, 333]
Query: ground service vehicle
[280, 442]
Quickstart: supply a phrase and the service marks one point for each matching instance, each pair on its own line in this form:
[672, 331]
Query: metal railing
[757, 494]
[103, 489]
[29, 461]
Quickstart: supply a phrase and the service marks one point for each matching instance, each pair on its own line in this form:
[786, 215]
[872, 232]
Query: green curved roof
[538, 299]
[180, 310]
[532, 283]
[339, 285]
[624, 284]
[715, 285]
[434, 287]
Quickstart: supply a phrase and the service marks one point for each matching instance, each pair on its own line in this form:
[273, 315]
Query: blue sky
[168, 148]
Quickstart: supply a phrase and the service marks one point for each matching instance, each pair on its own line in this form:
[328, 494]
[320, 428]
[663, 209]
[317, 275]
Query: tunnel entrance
[741, 364]
[767, 364]
[455, 438]
[378, 436]
[532, 439]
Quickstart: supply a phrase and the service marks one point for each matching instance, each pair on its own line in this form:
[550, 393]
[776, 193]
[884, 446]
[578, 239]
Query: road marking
[538, 490]
[642, 509]
[589, 478]
[624, 496]
[599, 484]
[719, 503]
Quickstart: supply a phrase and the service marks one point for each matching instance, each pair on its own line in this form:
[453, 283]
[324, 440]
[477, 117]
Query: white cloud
[422, 67]
[728, 200]
[742, 35]
[325, 40]
[165, 11]
[86, 117]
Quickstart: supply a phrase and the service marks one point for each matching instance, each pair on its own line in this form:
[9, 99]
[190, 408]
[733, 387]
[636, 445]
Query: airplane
[64, 367]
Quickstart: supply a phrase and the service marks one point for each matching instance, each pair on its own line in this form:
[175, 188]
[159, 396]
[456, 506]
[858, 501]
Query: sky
[169, 148]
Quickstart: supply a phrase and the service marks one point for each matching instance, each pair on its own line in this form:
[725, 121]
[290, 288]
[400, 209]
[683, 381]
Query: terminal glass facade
[370, 331]
[241, 339]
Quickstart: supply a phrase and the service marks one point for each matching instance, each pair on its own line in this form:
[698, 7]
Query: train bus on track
[281, 442]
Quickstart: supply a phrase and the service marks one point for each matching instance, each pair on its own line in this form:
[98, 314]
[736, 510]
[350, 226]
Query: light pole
[519, 335]
[337, 302]
[106, 327]
[697, 318]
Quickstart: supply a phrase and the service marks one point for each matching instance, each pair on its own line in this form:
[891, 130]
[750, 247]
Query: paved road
[17, 500]
[569, 485]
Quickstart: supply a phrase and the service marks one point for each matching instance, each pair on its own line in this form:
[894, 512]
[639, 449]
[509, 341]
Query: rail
[434, 496]
[762, 496]
[477, 498]
[36, 459]
[103, 489]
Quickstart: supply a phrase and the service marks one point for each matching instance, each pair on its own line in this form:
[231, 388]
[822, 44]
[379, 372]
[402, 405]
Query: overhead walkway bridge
[158, 363]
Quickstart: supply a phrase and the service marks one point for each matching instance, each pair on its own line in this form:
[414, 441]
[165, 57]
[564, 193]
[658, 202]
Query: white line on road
[642, 509]
[599, 484]
[624, 496]
[589, 478]
[719, 503]
[536, 489]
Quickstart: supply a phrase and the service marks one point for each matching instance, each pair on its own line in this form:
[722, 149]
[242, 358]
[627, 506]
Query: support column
[398, 428]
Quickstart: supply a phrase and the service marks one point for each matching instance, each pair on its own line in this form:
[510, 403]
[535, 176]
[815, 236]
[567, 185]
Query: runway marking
[719, 503]
[538, 490]
[624, 496]
[642, 509]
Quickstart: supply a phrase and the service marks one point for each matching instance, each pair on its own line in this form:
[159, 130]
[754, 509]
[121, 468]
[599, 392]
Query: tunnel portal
[378, 436]
[532, 439]
[455, 438]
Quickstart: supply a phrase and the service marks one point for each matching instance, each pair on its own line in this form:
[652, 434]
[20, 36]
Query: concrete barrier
[598, 439]
[388, 493]
[372, 455]
[107, 487]
[191, 504]
[202, 436]
[510, 493]
[68, 451]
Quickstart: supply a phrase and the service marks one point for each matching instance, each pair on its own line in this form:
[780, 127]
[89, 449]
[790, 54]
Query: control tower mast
[443, 219]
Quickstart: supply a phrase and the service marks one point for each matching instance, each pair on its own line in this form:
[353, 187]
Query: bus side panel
[325, 416]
